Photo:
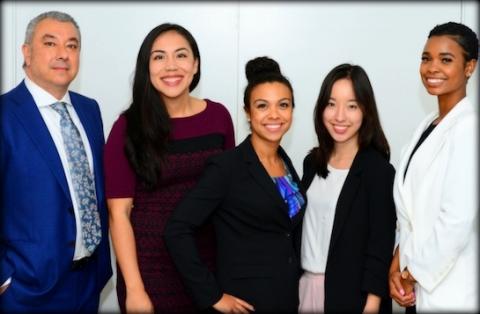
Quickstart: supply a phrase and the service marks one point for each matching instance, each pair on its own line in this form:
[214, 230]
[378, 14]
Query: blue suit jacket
[37, 222]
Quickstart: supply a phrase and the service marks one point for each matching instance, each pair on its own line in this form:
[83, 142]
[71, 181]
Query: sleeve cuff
[6, 283]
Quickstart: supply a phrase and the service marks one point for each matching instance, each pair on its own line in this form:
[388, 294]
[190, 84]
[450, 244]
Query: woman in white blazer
[435, 262]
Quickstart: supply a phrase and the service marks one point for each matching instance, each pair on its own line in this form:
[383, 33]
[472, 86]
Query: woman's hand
[401, 289]
[372, 305]
[138, 302]
[407, 276]
[231, 304]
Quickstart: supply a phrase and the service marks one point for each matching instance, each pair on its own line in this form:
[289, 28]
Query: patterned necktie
[82, 179]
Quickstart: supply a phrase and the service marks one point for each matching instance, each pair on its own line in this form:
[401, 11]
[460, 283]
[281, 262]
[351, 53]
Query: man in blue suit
[54, 248]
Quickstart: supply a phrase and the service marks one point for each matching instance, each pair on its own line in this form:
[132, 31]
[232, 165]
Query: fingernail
[402, 292]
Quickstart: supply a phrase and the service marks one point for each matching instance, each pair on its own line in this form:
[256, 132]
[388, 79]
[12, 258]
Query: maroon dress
[193, 140]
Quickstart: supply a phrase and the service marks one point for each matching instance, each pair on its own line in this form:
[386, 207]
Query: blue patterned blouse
[290, 193]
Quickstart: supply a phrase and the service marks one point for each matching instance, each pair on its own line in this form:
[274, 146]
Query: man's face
[53, 56]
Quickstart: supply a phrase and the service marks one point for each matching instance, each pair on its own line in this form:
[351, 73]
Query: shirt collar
[41, 97]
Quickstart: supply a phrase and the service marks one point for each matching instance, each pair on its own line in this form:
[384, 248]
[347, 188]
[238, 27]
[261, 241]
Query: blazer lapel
[401, 186]
[261, 176]
[87, 123]
[92, 135]
[346, 198]
[28, 114]
[85, 119]
[427, 152]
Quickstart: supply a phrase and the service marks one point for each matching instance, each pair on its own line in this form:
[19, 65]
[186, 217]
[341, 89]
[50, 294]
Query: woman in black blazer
[349, 224]
[252, 194]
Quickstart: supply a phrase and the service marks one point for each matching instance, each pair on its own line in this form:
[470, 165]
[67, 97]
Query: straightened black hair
[370, 133]
[148, 122]
[462, 34]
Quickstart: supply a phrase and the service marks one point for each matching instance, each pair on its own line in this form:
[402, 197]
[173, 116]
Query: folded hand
[402, 288]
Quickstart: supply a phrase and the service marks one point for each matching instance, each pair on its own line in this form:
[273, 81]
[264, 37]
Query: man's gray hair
[54, 15]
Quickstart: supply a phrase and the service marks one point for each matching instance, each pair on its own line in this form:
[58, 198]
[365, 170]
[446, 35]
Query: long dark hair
[370, 133]
[148, 124]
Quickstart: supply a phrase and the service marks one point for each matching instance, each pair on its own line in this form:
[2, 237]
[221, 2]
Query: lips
[340, 129]
[434, 81]
[60, 65]
[60, 68]
[273, 127]
[172, 80]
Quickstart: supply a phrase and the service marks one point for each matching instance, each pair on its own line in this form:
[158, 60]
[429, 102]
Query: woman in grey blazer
[252, 193]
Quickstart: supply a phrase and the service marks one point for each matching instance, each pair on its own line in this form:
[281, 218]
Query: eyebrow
[163, 51]
[49, 36]
[443, 54]
[261, 99]
[353, 99]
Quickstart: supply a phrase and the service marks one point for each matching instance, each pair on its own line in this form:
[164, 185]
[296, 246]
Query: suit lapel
[91, 132]
[401, 186]
[261, 176]
[429, 149]
[346, 198]
[85, 120]
[29, 116]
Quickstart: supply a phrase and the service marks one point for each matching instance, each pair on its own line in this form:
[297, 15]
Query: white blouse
[322, 198]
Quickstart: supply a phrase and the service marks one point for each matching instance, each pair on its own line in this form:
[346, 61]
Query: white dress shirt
[43, 100]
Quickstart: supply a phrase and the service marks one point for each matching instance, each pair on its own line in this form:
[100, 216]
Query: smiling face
[172, 65]
[342, 116]
[53, 56]
[443, 69]
[270, 112]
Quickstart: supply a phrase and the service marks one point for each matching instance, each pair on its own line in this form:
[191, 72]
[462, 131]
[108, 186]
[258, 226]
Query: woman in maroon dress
[154, 154]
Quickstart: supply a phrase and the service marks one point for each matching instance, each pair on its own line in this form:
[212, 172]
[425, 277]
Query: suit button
[290, 260]
[70, 210]
[287, 235]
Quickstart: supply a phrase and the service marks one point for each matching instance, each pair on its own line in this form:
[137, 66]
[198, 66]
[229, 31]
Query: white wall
[306, 38]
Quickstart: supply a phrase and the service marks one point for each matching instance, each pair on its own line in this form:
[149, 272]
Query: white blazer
[437, 212]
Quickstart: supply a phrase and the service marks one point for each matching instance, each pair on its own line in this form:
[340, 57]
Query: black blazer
[257, 242]
[363, 234]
